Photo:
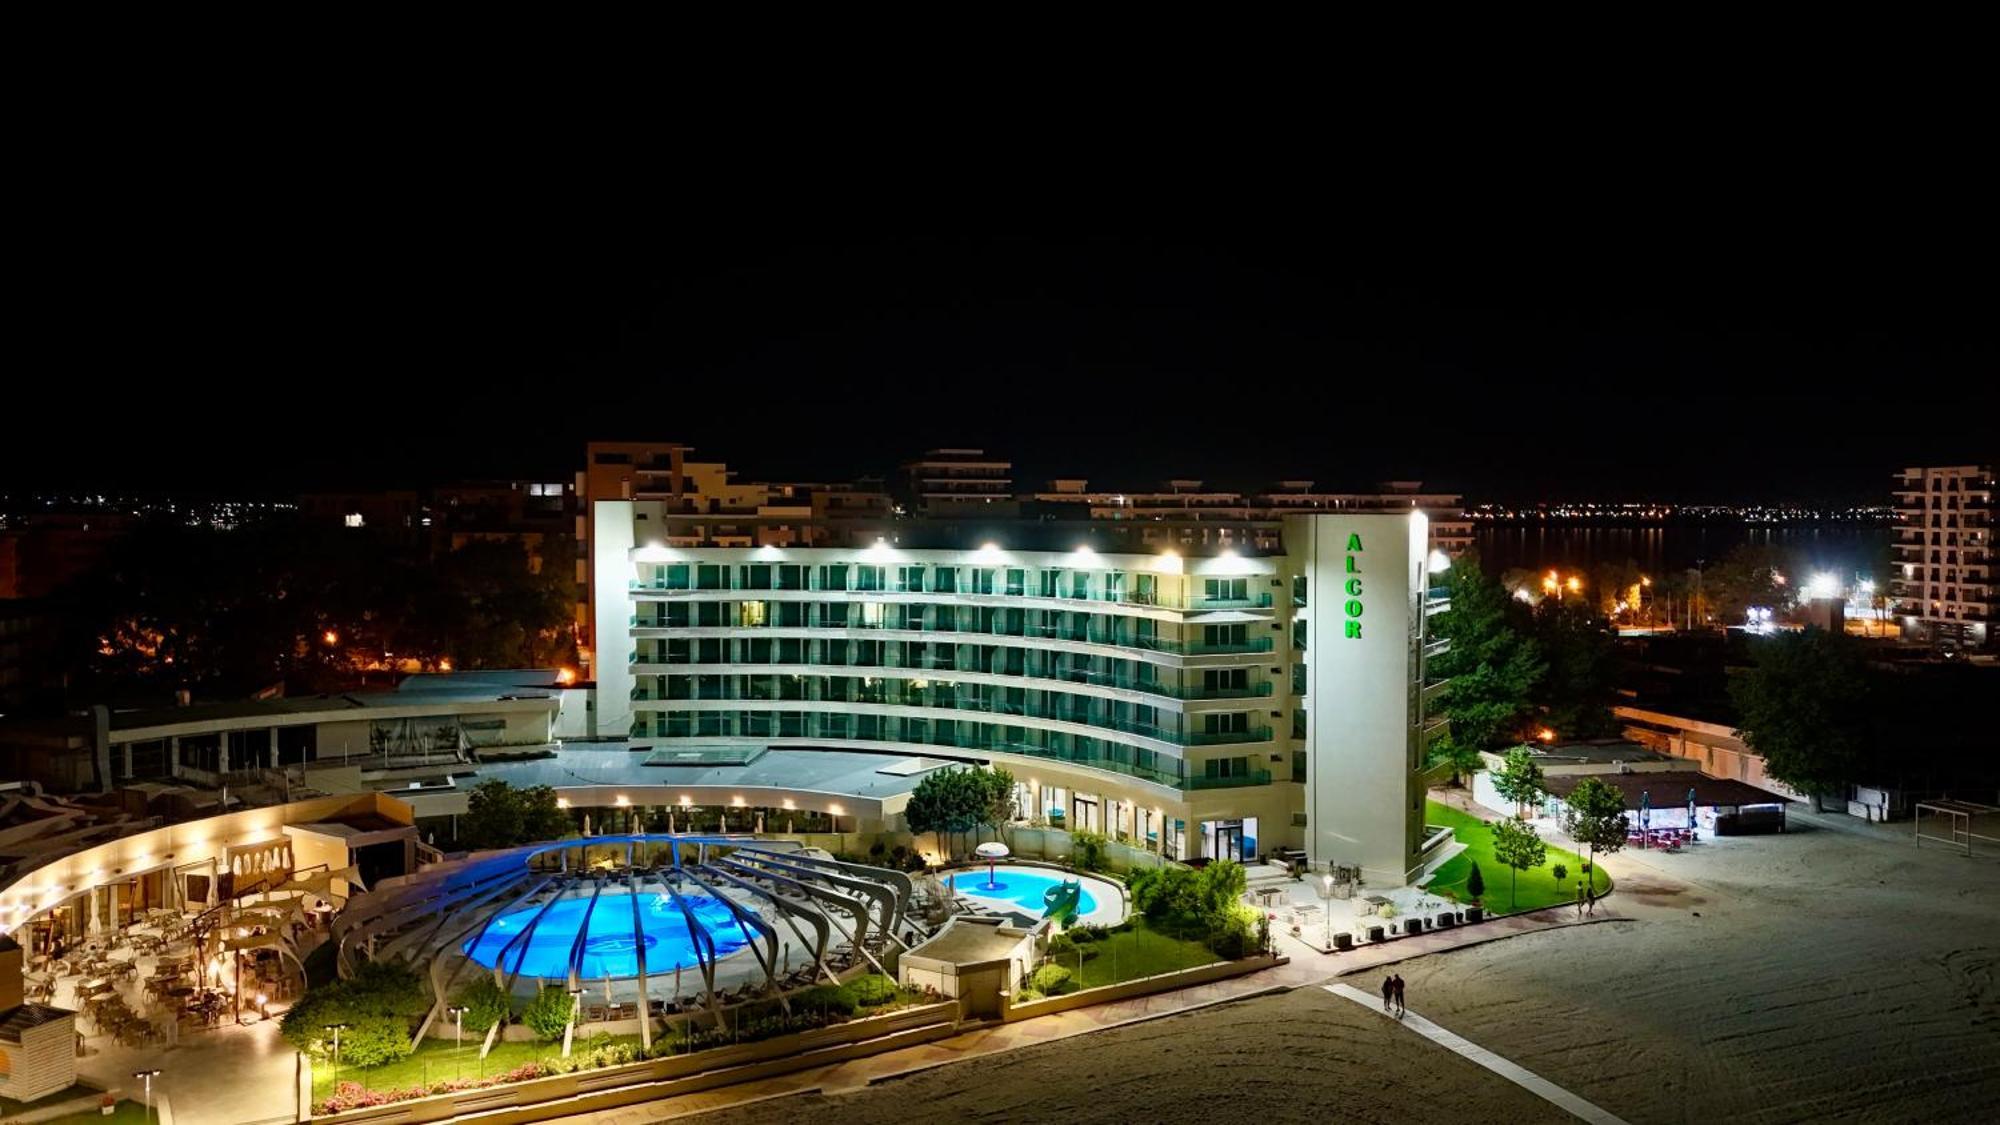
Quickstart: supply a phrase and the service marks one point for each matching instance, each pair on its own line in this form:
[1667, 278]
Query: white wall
[1363, 804]
[612, 589]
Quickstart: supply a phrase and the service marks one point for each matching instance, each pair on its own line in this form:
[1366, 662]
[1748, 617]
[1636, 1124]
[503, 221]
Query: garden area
[125, 1111]
[1183, 918]
[1505, 890]
[378, 1009]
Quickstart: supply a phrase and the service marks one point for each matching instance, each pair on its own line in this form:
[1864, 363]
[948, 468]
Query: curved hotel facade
[1223, 705]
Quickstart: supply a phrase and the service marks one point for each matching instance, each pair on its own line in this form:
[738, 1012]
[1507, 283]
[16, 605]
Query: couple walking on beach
[1392, 994]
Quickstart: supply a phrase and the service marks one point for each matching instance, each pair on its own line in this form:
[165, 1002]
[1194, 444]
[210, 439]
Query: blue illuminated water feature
[611, 947]
[1024, 889]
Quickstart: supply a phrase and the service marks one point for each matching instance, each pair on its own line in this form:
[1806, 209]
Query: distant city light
[566, 676]
[330, 637]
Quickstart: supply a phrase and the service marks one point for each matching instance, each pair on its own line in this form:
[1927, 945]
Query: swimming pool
[1022, 889]
[611, 945]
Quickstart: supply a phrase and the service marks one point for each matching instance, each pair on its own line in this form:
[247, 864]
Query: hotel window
[791, 577]
[757, 576]
[871, 614]
[1226, 589]
[910, 578]
[1225, 722]
[946, 580]
[1226, 767]
[833, 577]
[709, 577]
[868, 578]
[753, 613]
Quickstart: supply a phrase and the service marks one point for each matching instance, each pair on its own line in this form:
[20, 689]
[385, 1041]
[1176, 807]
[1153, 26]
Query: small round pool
[611, 945]
[1022, 889]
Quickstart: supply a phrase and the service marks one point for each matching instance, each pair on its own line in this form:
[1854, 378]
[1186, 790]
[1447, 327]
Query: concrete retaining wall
[1143, 986]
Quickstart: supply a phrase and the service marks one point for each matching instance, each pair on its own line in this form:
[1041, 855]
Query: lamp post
[458, 1055]
[147, 1076]
[1326, 885]
[335, 1028]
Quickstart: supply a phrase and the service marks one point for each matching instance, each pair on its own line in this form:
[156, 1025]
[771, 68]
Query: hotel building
[1226, 703]
[1944, 583]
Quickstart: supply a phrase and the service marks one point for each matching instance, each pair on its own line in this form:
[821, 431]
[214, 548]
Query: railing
[1229, 737]
[1150, 599]
[1030, 680]
[1233, 781]
[951, 635]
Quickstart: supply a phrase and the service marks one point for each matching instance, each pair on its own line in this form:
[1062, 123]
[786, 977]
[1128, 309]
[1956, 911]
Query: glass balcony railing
[1233, 781]
[935, 631]
[1032, 679]
[982, 737]
[1229, 737]
[962, 707]
[1151, 599]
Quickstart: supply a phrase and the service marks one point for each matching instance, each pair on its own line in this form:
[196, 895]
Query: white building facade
[1228, 705]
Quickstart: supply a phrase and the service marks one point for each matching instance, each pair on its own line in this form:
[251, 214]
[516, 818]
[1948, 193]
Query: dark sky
[1614, 356]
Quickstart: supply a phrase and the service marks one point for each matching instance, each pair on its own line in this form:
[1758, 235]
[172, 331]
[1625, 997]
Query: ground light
[147, 1077]
[458, 1054]
[335, 1028]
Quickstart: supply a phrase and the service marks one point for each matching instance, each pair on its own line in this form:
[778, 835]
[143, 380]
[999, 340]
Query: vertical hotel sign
[1353, 587]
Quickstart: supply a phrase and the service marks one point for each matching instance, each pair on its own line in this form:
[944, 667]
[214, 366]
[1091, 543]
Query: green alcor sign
[1353, 587]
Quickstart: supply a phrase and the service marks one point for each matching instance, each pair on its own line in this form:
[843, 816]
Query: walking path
[1307, 967]
[1519, 1076]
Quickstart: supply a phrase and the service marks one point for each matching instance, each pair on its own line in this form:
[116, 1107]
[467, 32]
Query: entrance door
[1224, 839]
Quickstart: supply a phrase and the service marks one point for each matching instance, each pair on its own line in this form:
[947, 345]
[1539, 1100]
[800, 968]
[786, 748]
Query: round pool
[612, 942]
[1021, 889]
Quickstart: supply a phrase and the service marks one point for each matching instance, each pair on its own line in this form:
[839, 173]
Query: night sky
[1737, 366]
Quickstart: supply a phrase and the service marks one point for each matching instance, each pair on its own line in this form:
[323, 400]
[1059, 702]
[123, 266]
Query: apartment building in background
[1228, 702]
[1944, 584]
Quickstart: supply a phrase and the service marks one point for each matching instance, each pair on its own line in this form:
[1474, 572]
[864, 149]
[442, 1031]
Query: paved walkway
[1519, 1076]
[1307, 967]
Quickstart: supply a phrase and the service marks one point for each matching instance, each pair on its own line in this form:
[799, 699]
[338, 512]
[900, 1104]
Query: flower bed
[812, 1009]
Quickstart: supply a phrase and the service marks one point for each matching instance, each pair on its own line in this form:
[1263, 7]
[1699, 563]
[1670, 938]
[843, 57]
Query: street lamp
[147, 1077]
[1326, 884]
[458, 1018]
[335, 1028]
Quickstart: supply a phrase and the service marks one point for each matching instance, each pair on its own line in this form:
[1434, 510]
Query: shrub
[377, 1004]
[1475, 883]
[1235, 933]
[548, 1013]
[485, 1004]
[1087, 849]
[1084, 934]
[1051, 980]
[826, 998]
[1561, 873]
[374, 1040]
[876, 850]
[871, 991]
[1025, 993]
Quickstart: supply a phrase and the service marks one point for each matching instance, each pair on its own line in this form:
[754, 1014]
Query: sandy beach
[1836, 972]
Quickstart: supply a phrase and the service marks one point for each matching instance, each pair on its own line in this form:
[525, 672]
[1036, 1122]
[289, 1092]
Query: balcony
[1228, 737]
[1235, 781]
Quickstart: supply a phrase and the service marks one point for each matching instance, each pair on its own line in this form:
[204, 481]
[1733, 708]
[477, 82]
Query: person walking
[1388, 992]
[1398, 980]
[1590, 900]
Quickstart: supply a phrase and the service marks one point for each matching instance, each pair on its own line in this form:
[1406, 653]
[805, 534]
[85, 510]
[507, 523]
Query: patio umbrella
[993, 851]
[1645, 814]
[1691, 812]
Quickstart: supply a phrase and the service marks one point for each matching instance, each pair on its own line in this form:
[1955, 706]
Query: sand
[1836, 972]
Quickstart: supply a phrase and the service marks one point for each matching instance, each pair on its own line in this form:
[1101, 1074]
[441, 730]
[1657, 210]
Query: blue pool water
[1024, 889]
[611, 947]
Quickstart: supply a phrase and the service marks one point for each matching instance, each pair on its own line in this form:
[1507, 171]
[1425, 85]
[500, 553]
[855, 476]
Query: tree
[1001, 808]
[1475, 883]
[1594, 814]
[1518, 846]
[1750, 575]
[485, 1003]
[1463, 757]
[1576, 694]
[497, 815]
[1519, 779]
[548, 1014]
[1493, 663]
[1805, 706]
[374, 1007]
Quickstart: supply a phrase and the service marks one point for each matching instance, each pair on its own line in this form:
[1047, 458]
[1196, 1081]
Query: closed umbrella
[1645, 814]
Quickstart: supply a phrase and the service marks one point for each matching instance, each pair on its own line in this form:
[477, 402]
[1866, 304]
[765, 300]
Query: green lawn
[124, 1113]
[1140, 952]
[1537, 885]
[436, 1060]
